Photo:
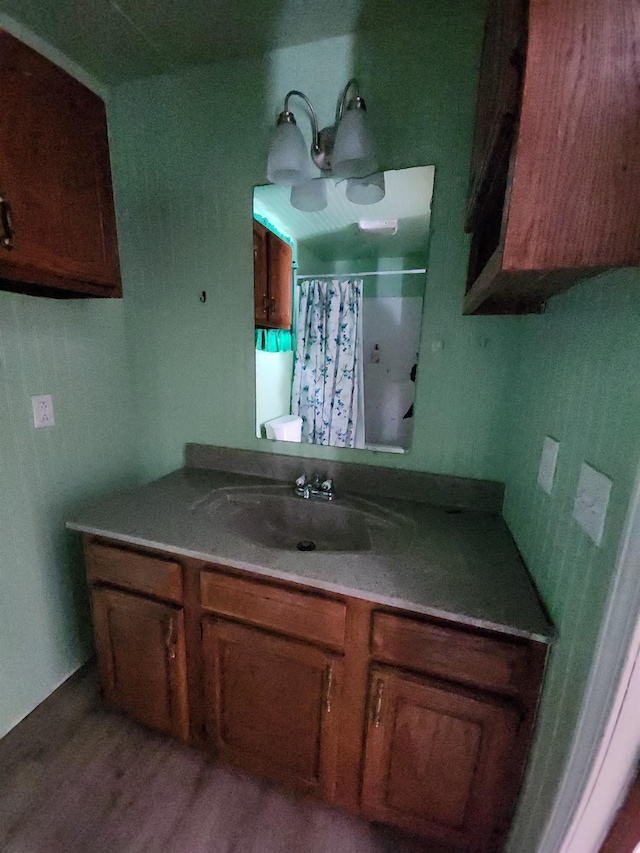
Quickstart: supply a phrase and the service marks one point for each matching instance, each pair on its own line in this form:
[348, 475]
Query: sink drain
[306, 545]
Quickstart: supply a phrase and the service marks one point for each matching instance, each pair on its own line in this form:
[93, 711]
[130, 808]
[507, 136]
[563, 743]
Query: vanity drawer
[297, 614]
[156, 576]
[463, 656]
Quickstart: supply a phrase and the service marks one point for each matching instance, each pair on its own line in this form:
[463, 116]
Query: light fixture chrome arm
[287, 115]
[356, 102]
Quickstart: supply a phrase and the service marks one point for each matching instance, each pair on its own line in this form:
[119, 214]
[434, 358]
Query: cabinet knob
[6, 223]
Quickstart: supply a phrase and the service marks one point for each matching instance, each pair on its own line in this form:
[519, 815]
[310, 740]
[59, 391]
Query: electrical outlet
[42, 406]
[548, 461]
[592, 500]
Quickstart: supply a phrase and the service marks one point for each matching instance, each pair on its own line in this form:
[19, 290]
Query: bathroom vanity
[393, 671]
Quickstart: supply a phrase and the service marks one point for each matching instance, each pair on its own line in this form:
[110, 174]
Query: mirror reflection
[339, 291]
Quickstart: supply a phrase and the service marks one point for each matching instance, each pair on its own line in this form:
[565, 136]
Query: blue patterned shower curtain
[328, 375]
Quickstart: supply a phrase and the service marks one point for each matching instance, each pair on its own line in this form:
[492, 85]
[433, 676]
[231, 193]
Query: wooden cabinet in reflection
[273, 279]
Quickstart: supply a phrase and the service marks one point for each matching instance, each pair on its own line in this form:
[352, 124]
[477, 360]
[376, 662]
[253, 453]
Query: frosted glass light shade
[367, 190]
[310, 196]
[288, 161]
[353, 155]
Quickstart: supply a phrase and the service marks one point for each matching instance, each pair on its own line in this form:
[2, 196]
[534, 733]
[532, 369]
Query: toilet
[284, 428]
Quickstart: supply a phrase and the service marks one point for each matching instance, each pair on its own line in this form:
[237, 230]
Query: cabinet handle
[377, 704]
[327, 689]
[6, 224]
[170, 639]
[265, 304]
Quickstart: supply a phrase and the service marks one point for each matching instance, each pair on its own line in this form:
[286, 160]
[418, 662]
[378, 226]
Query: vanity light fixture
[366, 190]
[342, 150]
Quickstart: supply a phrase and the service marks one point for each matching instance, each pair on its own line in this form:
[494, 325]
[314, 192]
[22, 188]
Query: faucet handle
[301, 481]
[327, 485]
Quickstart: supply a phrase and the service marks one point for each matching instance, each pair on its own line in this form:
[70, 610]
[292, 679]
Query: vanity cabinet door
[435, 757]
[271, 705]
[142, 659]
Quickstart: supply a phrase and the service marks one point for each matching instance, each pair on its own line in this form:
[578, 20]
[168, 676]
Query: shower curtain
[328, 386]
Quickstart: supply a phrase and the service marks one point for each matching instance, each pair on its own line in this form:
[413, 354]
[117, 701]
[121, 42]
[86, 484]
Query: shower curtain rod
[361, 274]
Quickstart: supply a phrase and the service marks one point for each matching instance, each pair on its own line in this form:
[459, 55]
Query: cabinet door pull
[377, 704]
[6, 223]
[170, 639]
[327, 689]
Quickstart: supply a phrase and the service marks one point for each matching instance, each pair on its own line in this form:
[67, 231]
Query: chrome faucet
[316, 488]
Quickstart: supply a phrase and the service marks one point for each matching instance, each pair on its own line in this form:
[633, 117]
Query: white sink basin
[277, 518]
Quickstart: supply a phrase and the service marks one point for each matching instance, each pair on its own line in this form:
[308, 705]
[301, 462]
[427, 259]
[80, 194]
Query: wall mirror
[340, 270]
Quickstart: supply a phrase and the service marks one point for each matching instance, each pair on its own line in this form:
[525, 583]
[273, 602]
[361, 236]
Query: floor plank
[76, 778]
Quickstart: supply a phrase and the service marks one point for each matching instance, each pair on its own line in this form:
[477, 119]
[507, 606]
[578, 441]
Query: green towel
[274, 340]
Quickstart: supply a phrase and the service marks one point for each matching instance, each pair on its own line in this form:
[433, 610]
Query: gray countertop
[460, 565]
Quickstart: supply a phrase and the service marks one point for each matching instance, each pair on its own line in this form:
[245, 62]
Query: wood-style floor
[75, 778]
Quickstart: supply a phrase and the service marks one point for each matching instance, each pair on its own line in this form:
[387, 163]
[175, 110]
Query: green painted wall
[188, 149]
[74, 350]
[576, 379]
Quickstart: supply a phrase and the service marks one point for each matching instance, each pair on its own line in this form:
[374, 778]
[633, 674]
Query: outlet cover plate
[42, 407]
[548, 461]
[592, 500]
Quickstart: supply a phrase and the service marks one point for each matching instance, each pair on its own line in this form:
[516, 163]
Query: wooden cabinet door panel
[272, 279]
[260, 282]
[280, 283]
[271, 704]
[464, 656]
[301, 615]
[499, 95]
[55, 174]
[142, 659]
[435, 756]
[148, 574]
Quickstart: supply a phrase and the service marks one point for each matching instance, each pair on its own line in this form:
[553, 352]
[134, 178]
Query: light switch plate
[548, 461]
[42, 406]
[592, 500]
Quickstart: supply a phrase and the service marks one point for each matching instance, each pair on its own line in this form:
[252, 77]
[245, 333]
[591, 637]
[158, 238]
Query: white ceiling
[119, 40]
[333, 233]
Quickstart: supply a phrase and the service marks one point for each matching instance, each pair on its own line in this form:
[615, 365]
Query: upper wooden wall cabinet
[555, 171]
[273, 279]
[57, 220]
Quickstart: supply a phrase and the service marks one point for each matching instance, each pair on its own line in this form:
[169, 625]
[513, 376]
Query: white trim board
[607, 737]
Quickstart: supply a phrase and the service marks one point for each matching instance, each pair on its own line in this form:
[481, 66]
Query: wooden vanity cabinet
[435, 757]
[273, 279]
[270, 705]
[272, 671]
[449, 719]
[140, 639]
[142, 660]
[418, 722]
[554, 169]
[57, 219]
